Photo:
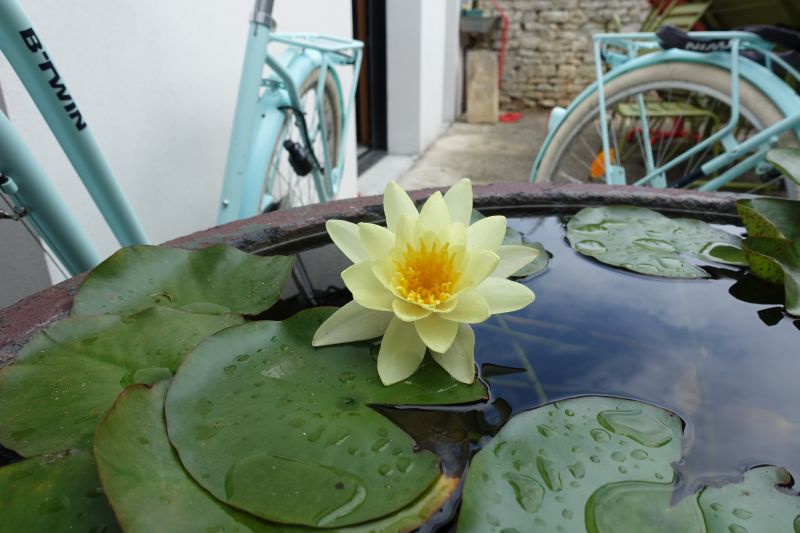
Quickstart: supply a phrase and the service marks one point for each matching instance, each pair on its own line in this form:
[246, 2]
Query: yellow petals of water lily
[420, 280]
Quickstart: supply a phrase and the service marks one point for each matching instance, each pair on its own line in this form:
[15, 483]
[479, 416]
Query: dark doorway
[369, 26]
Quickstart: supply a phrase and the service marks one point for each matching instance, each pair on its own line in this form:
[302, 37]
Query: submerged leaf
[513, 236]
[536, 266]
[215, 280]
[67, 376]
[647, 242]
[54, 493]
[140, 471]
[258, 417]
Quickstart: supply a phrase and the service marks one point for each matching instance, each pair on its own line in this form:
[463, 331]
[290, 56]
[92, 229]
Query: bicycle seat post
[262, 12]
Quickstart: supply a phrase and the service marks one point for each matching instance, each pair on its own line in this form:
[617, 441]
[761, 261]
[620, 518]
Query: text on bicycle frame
[34, 45]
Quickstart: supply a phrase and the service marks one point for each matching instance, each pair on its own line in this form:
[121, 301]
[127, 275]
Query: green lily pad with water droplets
[215, 280]
[150, 491]
[647, 242]
[603, 465]
[762, 501]
[542, 468]
[58, 492]
[271, 425]
[67, 377]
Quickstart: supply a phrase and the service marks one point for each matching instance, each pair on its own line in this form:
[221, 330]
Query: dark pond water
[718, 352]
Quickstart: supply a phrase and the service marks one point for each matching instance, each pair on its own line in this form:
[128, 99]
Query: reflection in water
[718, 352]
[728, 367]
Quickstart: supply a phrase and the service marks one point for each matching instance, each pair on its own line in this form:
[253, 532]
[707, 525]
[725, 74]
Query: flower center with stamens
[426, 276]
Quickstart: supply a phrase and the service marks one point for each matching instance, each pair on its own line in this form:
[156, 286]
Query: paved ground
[485, 153]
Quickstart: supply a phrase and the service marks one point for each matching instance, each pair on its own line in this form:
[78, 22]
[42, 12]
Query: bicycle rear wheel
[685, 104]
[281, 182]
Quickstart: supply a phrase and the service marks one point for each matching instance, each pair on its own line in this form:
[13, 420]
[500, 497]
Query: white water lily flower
[422, 279]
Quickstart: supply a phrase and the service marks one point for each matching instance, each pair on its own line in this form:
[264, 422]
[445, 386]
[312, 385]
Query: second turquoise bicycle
[699, 109]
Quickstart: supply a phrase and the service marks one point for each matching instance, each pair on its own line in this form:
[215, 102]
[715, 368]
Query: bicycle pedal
[298, 158]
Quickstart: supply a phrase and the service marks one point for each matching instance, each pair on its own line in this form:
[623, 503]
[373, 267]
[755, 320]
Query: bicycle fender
[774, 88]
[298, 66]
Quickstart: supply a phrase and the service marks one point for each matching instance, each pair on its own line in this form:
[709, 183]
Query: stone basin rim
[279, 231]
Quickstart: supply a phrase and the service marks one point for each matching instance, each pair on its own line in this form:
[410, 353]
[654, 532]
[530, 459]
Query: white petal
[345, 236]
[434, 216]
[367, 290]
[512, 258]
[504, 295]
[377, 240]
[408, 312]
[480, 264]
[396, 203]
[459, 201]
[457, 234]
[472, 307]
[459, 360]
[487, 233]
[401, 352]
[352, 323]
[436, 333]
[405, 231]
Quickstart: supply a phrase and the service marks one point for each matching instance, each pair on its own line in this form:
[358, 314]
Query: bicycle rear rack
[616, 49]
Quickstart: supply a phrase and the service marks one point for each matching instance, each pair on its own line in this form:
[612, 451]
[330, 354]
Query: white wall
[422, 49]
[157, 82]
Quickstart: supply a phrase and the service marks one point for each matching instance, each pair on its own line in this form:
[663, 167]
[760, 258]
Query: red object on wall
[504, 41]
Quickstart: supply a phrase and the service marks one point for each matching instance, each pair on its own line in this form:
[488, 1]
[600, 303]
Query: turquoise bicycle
[703, 113]
[286, 149]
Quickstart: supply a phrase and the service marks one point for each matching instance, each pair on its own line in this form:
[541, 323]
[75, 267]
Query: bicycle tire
[288, 189]
[701, 82]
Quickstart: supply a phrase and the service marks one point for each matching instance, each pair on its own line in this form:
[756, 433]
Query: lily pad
[54, 493]
[647, 242]
[544, 466]
[150, 491]
[67, 377]
[259, 417]
[759, 502]
[770, 217]
[215, 280]
[778, 261]
[787, 161]
[603, 465]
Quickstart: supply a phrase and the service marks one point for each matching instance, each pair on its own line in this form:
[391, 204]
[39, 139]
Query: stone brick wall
[549, 51]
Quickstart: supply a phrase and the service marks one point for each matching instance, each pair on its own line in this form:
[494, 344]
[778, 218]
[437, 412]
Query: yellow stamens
[426, 276]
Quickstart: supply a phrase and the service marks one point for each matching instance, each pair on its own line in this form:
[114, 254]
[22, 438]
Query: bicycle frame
[254, 132]
[622, 53]
[23, 179]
